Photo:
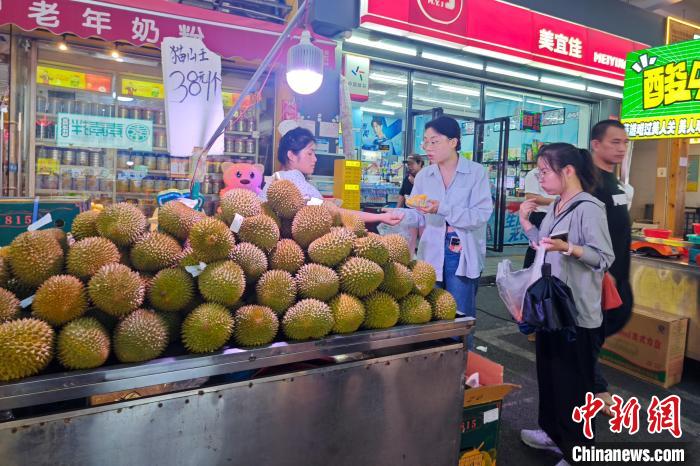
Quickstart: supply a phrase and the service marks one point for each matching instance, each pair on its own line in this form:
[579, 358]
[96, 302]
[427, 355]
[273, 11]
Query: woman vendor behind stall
[297, 154]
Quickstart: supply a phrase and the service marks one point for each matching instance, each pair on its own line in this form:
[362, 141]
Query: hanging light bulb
[62, 44]
[304, 66]
[115, 53]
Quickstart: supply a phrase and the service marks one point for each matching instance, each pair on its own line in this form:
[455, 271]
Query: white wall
[643, 176]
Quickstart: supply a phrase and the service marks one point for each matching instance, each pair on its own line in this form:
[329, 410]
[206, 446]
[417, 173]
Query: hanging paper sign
[193, 101]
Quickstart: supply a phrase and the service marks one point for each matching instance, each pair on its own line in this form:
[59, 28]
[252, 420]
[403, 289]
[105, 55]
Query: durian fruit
[277, 290]
[121, 223]
[5, 274]
[398, 249]
[267, 210]
[26, 348]
[348, 313]
[35, 256]
[443, 304]
[177, 219]
[252, 260]
[287, 255]
[154, 251]
[239, 201]
[9, 305]
[83, 344]
[353, 223]
[255, 326]
[87, 256]
[382, 310]
[359, 276]
[307, 319]
[332, 248]
[85, 225]
[140, 336]
[371, 247]
[59, 235]
[398, 280]
[171, 290]
[423, 277]
[211, 240]
[60, 299]
[317, 281]
[414, 309]
[261, 231]
[116, 290]
[207, 328]
[188, 257]
[285, 198]
[222, 283]
[310, 223]
[173, 322]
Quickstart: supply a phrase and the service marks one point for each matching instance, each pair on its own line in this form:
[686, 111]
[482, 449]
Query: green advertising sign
[105, 132]
[662, 92]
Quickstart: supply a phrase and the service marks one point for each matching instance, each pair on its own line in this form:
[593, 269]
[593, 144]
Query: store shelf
[239, 154]
[242, 133]
[137, 195]
[61, 192]
[148, 172]
[69, 89]
[81, 167]
[161, 150]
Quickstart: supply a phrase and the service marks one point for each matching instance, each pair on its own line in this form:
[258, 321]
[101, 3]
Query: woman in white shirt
[454, 222]
[297, 154]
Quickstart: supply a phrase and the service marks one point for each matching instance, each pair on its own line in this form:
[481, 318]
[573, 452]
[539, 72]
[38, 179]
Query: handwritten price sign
[193, 99]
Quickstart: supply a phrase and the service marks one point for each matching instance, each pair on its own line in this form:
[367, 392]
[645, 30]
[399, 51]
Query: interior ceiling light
[513, 73]
[377, 44]
[305, 66]
[62, 44]
[556, 69]
[388, 103]
[441, 102]
[452, 60]
[434, 41]
[603, 79]
[499, 55]
[579, 86]
[602, 91]
[380, 111]
[388, 78]
[115, 53]
[498, 95]
[377, 92]
[544, 104]
[457, 89]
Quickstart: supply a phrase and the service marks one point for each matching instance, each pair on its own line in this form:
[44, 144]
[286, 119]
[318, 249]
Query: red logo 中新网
[441, 11]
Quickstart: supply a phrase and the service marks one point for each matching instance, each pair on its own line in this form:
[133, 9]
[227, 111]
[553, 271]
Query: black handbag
[549, 304]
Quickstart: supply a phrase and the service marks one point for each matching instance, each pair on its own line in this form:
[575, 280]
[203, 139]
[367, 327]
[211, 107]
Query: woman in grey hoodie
[579, 257]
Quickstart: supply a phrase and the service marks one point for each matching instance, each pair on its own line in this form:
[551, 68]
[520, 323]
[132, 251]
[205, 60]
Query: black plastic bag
[549, 305]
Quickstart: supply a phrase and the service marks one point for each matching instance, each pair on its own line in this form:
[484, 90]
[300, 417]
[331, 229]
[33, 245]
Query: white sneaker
[539, 439]
[563, 462]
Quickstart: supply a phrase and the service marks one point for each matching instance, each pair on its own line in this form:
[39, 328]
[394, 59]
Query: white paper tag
[683, 161]
[196, 270]
[237, 222]
[491, 415]
[26, 302]
[45, 220]
[315, 201]
[191, 203]
[620, 199]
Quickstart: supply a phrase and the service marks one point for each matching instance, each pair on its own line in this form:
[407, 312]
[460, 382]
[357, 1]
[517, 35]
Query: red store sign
[488, 26]
[147, 22]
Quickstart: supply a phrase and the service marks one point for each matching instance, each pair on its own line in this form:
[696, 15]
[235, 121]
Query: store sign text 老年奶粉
[104, 132]
[662, 92]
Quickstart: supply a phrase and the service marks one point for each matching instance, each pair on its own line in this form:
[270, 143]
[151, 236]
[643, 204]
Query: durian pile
[117, 291]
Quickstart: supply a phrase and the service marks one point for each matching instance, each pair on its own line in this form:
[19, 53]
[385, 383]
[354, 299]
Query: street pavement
[508, 347]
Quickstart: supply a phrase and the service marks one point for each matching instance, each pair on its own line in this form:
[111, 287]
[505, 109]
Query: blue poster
[382, 134]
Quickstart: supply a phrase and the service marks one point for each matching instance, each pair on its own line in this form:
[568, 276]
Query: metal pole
[2, 150]
[256, 76]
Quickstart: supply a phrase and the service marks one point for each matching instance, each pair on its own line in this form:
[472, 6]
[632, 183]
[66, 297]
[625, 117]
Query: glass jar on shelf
[148, 185]
[79, 181]
[150, 161]
[122, 159]
[122, 185]
[51, 181]
[239, 145]
[163, 162]
[66, 180]
[106, 184]
[95, 158]
[92, 183]
[136, 159]
[135, 185]
[82, 158]
[68, 157]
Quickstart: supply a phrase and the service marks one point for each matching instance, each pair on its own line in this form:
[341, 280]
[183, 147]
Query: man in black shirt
[414, 164]
[609, 143]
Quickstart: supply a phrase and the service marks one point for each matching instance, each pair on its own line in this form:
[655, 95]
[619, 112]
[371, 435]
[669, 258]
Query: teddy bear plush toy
[242, 176]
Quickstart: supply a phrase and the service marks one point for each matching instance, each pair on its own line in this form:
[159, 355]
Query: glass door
[467, 125]
[491, 150]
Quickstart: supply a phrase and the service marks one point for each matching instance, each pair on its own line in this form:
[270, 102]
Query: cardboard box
[16, 214]
[481, 415]
[651, 347]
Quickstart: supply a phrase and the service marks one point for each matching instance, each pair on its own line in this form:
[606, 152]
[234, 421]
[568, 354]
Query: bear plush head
[242, 176]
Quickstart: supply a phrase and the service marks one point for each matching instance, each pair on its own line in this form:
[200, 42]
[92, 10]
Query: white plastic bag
[512, 285]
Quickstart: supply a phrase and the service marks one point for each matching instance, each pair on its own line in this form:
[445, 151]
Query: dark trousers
[536, 219]
[613, 321]
[565, 373]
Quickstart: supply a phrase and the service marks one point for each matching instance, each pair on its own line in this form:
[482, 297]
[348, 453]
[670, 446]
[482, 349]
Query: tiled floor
[516, 254]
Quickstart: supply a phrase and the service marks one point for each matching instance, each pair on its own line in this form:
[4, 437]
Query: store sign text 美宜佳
[662, 92]
[478, 26]
[104, 132]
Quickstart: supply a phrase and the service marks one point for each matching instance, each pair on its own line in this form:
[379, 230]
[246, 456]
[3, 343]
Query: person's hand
[392, 217]
[526, 208]
[554, 245]
[431, 208]
[410, 179]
